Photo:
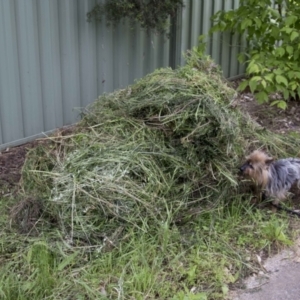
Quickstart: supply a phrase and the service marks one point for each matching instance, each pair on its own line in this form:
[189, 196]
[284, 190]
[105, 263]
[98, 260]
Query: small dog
[273, 178]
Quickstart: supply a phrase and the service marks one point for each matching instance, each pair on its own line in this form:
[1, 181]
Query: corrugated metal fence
[54, 61]
[195, 20]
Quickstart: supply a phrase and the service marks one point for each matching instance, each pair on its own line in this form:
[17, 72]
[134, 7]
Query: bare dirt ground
[270, 117]
[11, 162]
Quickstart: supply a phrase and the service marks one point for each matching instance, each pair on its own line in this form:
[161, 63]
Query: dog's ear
[269, 160]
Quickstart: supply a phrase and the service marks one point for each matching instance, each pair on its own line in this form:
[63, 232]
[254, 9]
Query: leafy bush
[150, 14]
[273, 53]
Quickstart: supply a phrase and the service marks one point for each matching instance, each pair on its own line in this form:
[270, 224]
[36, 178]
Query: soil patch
[270, 117]
[12, 160]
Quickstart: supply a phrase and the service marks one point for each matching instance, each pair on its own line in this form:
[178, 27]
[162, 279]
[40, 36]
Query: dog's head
[256, 167]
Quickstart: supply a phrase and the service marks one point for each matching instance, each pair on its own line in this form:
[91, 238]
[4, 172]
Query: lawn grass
[199, 260]
[142, 201]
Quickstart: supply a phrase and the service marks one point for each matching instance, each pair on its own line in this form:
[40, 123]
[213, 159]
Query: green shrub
[273, 52]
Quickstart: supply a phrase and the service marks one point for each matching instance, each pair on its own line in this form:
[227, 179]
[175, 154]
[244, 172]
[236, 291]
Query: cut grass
[141, 200]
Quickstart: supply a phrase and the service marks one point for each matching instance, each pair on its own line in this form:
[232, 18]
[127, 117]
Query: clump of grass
[141, 200]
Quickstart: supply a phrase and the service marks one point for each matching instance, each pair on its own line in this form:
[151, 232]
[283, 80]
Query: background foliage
[273, 53]
[151, 14]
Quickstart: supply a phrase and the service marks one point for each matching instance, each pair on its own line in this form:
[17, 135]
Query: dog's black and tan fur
[272, 177]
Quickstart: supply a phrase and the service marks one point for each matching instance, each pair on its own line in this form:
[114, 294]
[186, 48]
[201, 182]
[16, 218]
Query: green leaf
[274, 102]
[258, 22]
[261, 97]
[278, 71]
[256, 78]
[286, 94]
[255, 56]
[246, 23]
[294, 35]
[291, 20]
[287, 30]
[281, 79]
[274, 12]
[293, 86]
[269, 77]
[252, 85]
[289, 49]
[279, 51]
[275, 32]
[253, 68]
[243, 85]
[291, 74]
[280, 104]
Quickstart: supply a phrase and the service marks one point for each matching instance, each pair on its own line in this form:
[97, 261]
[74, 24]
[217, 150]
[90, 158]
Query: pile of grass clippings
[158, 148]
[168, 143]
[141, 200]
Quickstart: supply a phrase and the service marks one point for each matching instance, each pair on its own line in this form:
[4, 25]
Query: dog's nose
[242, 168]
[241, 171]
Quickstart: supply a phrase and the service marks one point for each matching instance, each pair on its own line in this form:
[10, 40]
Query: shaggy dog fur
[274, 178]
